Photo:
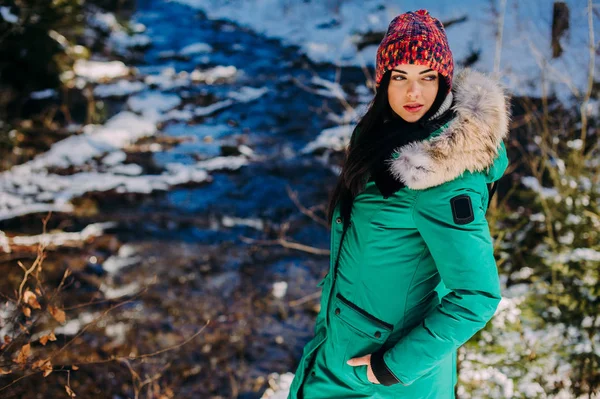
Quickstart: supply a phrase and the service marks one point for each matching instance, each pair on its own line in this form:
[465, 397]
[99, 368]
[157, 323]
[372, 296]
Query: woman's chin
[411, 117]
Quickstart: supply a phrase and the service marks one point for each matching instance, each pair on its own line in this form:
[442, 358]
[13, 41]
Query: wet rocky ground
[195, 257]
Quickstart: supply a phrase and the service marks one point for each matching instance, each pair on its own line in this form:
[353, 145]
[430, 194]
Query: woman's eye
[429, 78]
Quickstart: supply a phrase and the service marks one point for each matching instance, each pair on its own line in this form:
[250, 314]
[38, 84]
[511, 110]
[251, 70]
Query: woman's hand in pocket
[364, 361]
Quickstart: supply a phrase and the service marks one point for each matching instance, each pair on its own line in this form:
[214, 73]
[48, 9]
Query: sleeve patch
[462, 209]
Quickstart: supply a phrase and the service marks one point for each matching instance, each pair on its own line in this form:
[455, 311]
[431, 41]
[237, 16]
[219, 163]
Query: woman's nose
[413, 91]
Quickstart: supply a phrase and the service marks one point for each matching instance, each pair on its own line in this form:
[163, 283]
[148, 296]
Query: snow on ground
[120, 39]
[123, 129]
[330, 89]
[119, 88]
[574, 255]
[327, 31]
[30, 187]
[195, 48]
[73, 326]
[279, 289]
[232, 221]
[119, 131]
[105, 21]
[211, 75]
[42, 94]
[152, 104]
[120, 291]
[42, 191]
[4, 242]
[96, 71]
[118, 332]
[7, 310]
[219, 163]
[125, 257]
[545, 192]
[120, 42]
[97, 155]
[130, 169]
[279, 386]
[59, 239]
[8, 16]
[114, 158]
[211, 109]
[247, 94]
[179, 115]
[168, 78]
[335, 138]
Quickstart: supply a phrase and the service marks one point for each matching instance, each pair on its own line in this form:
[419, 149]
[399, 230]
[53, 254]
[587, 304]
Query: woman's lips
[413, 108]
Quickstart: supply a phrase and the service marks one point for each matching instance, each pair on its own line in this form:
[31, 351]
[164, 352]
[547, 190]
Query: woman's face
[412, 91]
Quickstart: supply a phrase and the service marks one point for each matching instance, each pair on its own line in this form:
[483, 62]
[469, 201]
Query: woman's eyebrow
[420, 73]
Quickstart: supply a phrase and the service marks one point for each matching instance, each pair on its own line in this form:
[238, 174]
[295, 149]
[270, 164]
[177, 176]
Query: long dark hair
[363, 147]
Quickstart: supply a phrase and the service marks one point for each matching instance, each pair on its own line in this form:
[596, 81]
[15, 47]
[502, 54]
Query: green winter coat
[400, 254]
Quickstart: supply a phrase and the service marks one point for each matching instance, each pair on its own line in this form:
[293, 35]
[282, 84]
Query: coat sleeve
[464, 256]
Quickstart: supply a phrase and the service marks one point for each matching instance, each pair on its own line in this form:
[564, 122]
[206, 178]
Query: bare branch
[543, 63]
[499, 35]
[170, 348]
[294, 197]
[304, 299]
[19, 379]
[590, 85]
[286, 244]
[25, 277]
[94, 322]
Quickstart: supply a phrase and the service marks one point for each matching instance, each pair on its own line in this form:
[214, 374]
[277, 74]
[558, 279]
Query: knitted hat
[415, 38]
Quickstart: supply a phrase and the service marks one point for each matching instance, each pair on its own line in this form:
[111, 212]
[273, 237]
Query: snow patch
[42, 94]
[229, 221]
[211, 75]
[97, 71]
[279, 289]
[195, 48]
[117, 292]
[8, 16]
[279, 386]
[212, 108]
[59, 239]
[218, 163]
[336, 138]
[153, 104]
[533, 184]
[119, 88]
[247, 94]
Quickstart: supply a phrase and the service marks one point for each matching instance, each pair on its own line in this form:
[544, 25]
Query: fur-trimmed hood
[471, 141]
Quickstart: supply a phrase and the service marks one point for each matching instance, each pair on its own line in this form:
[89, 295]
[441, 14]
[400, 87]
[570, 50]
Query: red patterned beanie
[415, 38]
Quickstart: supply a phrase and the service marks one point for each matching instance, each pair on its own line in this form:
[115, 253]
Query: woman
[412, 274]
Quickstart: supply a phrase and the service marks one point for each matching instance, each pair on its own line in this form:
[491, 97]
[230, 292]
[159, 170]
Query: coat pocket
[359, 333]
[361, 321]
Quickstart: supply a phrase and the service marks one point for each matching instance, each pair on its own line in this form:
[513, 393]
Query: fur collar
[469, 143]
